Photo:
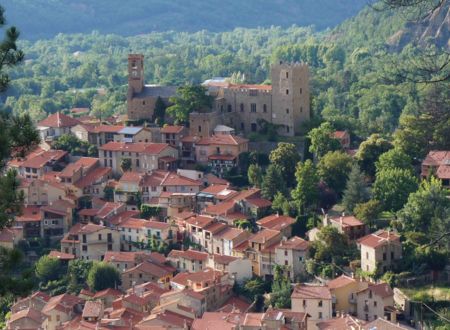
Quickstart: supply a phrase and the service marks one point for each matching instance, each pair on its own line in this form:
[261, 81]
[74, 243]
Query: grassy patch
[428, 293]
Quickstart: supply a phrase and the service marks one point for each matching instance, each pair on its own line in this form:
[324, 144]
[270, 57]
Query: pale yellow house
[372, 301]
[343, 289]
[314, 300]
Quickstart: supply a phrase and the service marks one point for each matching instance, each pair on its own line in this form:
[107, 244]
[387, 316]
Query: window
[287, 110]
[199, 128]
[58, 318]
[285, 252]
[300, 258]
[229, 108]
[304, 303]
[287, 74]
[110, 247]
[253, 107]
[320, 315]
[99, 237]
[287, 129]
[301, 90]
[265, 108]
[242, 107]
[137, 162]
[287, 91]
[320, 303]
[286, 263]
[301, 109]
[84, 238]
[253, 127]
[242, 126]
[374, 304]
[392, 255]
[85, 248]
[367, 255]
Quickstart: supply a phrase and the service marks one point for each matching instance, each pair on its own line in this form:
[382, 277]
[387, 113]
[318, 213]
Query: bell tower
[135, 73]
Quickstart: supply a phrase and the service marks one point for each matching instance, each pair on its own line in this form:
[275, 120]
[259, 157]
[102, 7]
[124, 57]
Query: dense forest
[353, 81]
[45, 18]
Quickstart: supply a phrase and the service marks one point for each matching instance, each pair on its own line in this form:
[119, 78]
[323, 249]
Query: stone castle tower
[290, 96]
[135, 73]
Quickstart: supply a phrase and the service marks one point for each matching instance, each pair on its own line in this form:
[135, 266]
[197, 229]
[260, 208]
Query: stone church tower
[135, 73]
[290, 96]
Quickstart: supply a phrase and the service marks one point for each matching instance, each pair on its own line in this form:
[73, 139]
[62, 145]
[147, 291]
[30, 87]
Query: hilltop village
[137, 225]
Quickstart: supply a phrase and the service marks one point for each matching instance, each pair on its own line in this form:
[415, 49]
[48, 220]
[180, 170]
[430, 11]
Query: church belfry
[136, 73]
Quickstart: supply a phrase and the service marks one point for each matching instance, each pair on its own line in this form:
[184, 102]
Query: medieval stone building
[285, 103]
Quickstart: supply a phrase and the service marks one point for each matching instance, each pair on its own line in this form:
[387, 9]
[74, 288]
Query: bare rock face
[433, 30]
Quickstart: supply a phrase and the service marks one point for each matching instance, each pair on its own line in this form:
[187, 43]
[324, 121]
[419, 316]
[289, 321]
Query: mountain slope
[45, 18]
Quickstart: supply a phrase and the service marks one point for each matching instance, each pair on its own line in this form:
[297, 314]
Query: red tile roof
[58, 120]
[140, 147]
[302, 291]
[221, 208]
[84, 163]
[61, 255]
[189, 255]
[264, 236]
[259, 202]
[276, 222]
[172, 129]
[348, 221]
[200, 221]
[122, 216]
[382, 290]
[29, 313]
[63, 303]
[173, 179]
[379, 238]
[222, 139]
[150, 268]
[93, 176]
[92, 309]
[41, 159]
[294, 243]
[29, 214]
[340, 282]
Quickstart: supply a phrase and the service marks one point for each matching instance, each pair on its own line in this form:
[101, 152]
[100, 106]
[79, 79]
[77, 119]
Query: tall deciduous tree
[355, 189]
[394, 158]
[189, 98]
[160, 112]
[370, 150]
[368, 212]
[306, 193]
[428, 204]
[322, 140]
[103, 276]
[273, 182]
[286, 157]
[392, 188]
[333, 168]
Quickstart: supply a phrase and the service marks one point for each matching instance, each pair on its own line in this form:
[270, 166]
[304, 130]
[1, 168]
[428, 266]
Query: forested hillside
[45, 18]
[352, 69]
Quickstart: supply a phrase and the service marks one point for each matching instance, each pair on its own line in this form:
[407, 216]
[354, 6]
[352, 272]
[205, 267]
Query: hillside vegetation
[45, 18]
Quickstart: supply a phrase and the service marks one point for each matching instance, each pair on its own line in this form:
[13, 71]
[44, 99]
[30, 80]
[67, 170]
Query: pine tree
[254, 175]
[356, 189]
[306, 193]
[273, 182]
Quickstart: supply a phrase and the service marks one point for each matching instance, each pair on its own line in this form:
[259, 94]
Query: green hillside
[45, 18]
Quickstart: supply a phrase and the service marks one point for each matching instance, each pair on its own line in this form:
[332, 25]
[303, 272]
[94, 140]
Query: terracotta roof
[222, 139]
[221, 208]
[250, 86]
[140, 147]
[223, 259]
[229, 233]
[212, 179]
[172, 129]
[63, 303]
[276, 222]
[302, 291]
[294, 243]
[235, 304]
[79, 110]
[443, 172]
[341, 323]
[218, 321]
[382, 290]
[86, 229]
[29, 313]
[215, 189]
[348, 221]
[107, 293]
[340, 134]
[122, 216]
[168, 319]
[59, 206]
[215, 228]
[200, 221]
[150, 268]
[189, 255]
[222, 157]
[264, 235]
[7, 235]
[382, 324]
[142, 223]
[132, 176]
[61, 255]
[93, 176]
[275, 314]
[437, 157]
[340, 282]
[58, 120]
[40, 160]
[206, 275]
[92, 309]
[379, 238]
[29, 214]
[83, 163]
[259, 202]
[173, 179]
